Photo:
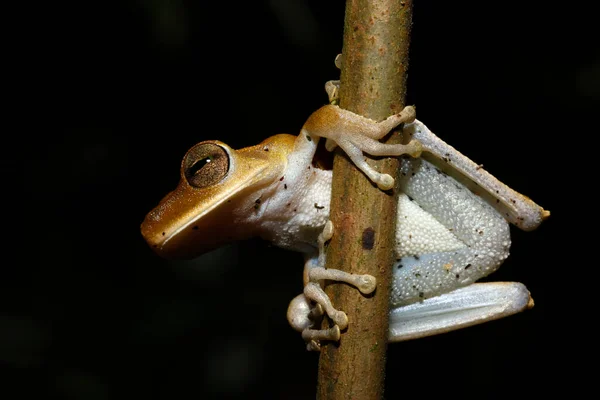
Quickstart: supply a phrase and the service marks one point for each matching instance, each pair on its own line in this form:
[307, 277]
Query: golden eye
[205, 164]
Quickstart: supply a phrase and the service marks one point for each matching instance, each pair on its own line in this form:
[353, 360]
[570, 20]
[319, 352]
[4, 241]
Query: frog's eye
[205, 164]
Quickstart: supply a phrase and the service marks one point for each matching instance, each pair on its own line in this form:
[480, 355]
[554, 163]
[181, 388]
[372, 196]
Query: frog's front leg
[356, 134]
[305, 318]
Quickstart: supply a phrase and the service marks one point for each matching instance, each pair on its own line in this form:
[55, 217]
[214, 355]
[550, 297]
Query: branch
[373, 84]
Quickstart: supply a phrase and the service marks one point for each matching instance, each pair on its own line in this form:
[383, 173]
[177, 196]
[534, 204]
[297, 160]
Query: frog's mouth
[175, 231]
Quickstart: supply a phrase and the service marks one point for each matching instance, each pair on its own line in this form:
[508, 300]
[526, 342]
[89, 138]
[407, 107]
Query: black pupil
[198, 165]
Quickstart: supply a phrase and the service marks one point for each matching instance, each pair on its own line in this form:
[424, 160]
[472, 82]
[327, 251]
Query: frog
[452, 223]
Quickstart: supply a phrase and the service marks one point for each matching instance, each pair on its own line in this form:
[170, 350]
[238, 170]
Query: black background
[110, 95]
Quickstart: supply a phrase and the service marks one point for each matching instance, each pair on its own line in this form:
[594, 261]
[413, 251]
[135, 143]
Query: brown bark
[373, 84]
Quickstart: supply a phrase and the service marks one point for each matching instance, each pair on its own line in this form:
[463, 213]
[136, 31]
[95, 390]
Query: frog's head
[217, 182]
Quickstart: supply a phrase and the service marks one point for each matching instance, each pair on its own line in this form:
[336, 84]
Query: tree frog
[452, 220]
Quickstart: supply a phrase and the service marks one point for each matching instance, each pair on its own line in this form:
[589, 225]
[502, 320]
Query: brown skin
[191, 220]
[373, 84]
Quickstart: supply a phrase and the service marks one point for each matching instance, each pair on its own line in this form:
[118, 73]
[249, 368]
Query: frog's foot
[365, 283]
[354, 148]
[355, 143]
[313, 291]
[313, 337]
[305, 311]
[356, 135]
[304, 316]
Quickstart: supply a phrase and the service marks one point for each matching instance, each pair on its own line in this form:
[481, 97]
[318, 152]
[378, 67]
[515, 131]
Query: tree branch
[373, 84]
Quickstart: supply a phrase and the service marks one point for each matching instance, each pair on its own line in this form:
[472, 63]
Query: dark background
[107, 97]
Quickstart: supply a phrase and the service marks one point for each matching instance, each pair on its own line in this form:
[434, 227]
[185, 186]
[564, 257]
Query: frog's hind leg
[446, 237]
[516, 208]
[468, 306]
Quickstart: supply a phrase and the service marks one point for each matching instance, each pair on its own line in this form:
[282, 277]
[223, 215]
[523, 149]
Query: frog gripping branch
[452, 220]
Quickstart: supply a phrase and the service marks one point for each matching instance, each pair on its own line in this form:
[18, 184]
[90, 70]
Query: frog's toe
[385, 182]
